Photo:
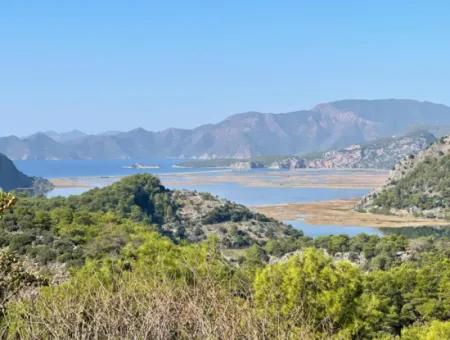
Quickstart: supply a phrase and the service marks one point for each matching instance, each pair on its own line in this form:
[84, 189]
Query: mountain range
[245, 135]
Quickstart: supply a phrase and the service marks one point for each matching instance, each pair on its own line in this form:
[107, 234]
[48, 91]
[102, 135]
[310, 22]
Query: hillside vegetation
[418, 184]
[107, 264]
[103, 220]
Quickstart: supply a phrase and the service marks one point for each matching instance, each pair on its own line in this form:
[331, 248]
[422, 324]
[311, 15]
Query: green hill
[96, 266]
[103, 220]
[418, 184]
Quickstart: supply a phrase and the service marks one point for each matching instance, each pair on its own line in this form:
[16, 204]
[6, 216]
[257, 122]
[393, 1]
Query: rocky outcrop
[380, 154]
[288, 163]
[246, 165]
[418, 184]
[200, 215]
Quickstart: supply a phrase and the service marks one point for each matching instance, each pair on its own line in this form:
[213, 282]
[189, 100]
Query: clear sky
[116, 65]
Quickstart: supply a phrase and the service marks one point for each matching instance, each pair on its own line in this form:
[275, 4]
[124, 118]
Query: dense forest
[104, 265]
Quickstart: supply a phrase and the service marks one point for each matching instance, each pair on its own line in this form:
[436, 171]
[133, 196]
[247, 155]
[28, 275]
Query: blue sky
[116, 65]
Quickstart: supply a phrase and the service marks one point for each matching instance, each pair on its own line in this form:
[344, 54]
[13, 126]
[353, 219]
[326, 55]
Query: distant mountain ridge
[65, 136]
[246, 135]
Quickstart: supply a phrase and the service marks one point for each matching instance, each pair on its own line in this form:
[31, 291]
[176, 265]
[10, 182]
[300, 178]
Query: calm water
[241, 194]
[268, 196]
[323, 230]
[74, 168]
[102, 173]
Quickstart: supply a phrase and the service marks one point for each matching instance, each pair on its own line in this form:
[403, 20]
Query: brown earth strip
[339, 212]
[339, 179]
[67, 182]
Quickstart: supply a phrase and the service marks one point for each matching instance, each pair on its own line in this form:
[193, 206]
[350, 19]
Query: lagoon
[100, 173]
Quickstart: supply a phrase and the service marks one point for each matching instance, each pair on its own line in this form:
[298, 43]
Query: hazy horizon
[113, 66]
[105, 132]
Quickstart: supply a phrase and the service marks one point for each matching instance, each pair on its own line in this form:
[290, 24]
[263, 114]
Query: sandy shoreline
[69, 182]
[339, 212]
[335, 179]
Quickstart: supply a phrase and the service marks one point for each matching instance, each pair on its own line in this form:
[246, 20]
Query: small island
[140, 166]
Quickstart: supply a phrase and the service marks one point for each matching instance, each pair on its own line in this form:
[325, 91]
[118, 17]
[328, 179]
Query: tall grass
[142, 309]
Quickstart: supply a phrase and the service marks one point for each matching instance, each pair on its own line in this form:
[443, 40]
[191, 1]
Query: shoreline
[341, 213]
[337, 212]
[320, 178]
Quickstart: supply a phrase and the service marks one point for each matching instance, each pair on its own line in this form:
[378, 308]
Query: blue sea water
[78, 168]
[104, 172]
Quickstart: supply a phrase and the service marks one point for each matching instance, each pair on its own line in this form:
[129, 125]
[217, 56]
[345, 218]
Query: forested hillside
[419, 185]
[103, 220]
[106, 264]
